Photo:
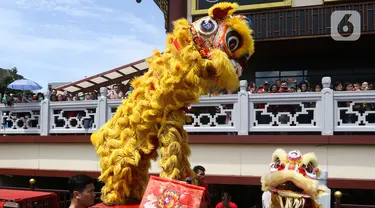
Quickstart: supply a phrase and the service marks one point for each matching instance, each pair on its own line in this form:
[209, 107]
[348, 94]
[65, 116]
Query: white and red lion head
[293, 180]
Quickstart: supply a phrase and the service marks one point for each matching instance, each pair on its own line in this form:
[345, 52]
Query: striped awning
[122, 74]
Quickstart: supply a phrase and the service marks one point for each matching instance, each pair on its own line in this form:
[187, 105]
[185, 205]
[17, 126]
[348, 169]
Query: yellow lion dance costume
[210, 52]
[292, 181]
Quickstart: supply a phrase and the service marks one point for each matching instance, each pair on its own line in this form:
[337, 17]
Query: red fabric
[120, 206]
[221, 13]
[176, 44]
[72, 114]
[206, 195]
[22, 196]
[231, 204]
[171, 193]
[2, 204]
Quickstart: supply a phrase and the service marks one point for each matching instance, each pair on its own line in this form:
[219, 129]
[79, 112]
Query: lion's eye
[309, 168]
[207, 26]
[233, 40]
[277, 163]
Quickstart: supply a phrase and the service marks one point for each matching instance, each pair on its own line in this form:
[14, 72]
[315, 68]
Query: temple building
[231, 135]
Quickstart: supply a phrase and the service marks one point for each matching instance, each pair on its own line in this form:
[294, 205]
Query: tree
[8, 76]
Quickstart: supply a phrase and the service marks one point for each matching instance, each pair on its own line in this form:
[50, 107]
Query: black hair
[79, 182]
[337, 83]
[275, 86]
[304, 83]
[226, 200]
[346, 84]
[320, 86]
[199, 168]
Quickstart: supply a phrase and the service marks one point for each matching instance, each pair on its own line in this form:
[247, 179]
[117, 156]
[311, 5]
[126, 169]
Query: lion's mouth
[290, 195]
[237, 67]
[289, 189]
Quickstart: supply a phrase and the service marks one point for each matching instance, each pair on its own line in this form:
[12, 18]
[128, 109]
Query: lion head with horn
[292, 181]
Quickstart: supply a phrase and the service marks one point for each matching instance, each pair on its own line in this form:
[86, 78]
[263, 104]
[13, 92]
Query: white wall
[343, 161]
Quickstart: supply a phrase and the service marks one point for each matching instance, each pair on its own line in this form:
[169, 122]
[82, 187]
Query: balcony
[307, 22]
[326, 113]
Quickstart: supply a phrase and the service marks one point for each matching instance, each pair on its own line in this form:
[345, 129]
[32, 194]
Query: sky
[66, 40]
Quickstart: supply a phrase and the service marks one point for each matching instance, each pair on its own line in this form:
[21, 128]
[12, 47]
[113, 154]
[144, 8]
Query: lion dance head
[209, 53]
[217, 46]
[292, 181]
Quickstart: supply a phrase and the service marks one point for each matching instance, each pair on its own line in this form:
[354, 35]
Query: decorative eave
[122, 74]
[164, 7]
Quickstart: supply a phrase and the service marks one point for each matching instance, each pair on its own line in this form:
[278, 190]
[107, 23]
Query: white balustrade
[21, 119]
[242, 113]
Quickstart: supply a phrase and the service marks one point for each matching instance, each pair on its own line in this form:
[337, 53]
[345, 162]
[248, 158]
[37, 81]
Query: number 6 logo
[345, 25]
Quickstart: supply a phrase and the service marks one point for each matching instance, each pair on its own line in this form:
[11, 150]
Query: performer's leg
[186, 170]
[111, 194]
[129, 184]
[174, 149]
[118, 180]
[140, 178]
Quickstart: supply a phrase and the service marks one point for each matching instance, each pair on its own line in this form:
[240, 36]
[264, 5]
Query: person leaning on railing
[7, 99]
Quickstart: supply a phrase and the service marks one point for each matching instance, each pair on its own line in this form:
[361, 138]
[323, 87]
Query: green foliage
[8, 76]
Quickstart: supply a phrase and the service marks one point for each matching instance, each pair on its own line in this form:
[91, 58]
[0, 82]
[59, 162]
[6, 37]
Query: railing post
[243, 110]
[44, 118]
[324, 200]
[338, 196]
[32, 182]
[327, 107]
[102, 110]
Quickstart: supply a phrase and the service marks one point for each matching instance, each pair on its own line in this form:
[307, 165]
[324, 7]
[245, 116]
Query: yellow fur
[153, 117]
[279, 154]
[274, 179]
[310, 158]
[237, 24]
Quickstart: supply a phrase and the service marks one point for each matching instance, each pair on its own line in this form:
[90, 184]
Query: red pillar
[177, 9]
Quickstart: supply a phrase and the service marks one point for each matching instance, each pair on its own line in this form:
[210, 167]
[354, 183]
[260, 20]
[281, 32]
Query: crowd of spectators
[120, 91]
[9, 99]
[290, 86]
[117, 91]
